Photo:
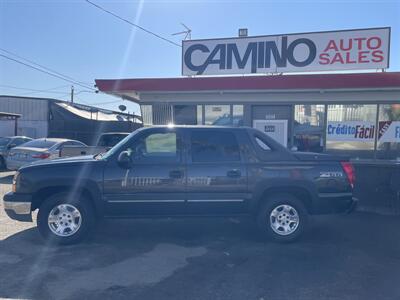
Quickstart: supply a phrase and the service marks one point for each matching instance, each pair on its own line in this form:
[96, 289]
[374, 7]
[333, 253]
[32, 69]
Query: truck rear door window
[214, 146]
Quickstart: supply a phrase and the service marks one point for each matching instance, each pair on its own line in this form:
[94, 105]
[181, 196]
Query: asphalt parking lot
[353, 256]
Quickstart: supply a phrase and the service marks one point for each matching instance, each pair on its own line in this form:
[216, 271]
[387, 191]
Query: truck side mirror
[124, 160]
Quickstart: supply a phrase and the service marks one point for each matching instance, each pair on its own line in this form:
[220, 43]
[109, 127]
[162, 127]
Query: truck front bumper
[18, 206]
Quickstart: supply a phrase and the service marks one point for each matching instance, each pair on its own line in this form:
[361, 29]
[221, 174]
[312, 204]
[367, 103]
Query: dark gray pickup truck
[183, 171]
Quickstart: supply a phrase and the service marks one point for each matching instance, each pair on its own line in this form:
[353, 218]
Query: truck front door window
[156, 182]
[157, 147]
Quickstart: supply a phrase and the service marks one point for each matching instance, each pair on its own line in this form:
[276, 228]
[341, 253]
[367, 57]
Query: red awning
[277, 82]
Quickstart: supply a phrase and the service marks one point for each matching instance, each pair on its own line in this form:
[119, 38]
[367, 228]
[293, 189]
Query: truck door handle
[176, 174]
[234, 173]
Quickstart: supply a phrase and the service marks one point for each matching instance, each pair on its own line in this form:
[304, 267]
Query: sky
[76, 39]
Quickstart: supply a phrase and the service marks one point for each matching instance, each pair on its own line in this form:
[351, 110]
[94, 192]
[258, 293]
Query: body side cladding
[303, 192]
[89, 188]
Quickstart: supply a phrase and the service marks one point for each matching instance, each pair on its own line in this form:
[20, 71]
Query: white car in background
[36, 150]
[7, 143]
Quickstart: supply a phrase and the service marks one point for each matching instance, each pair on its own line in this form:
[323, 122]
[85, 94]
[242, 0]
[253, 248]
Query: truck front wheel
[282, 217]
[63, 219]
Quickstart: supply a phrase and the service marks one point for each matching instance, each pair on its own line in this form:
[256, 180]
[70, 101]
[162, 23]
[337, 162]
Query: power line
[34, 95]
[51, 90]
[43, 67]
[133, 24]
[80, 92]
[44, 71]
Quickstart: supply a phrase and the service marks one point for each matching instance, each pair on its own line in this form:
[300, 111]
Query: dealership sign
[350, 131]
[319, 51]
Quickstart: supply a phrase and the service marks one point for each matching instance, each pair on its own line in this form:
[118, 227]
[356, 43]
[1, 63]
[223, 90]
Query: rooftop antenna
[187, 33]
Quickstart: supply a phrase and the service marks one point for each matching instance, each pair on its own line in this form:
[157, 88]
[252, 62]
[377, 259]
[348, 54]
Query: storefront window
[352, 128]
[162, 114]
[237, 119]
[147, 114]
[199, 114]
[185, 114]
[191, 114]
[389, 131]
[309, 127]
[217, 115]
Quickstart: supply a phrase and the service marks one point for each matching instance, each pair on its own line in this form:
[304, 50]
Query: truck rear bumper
[331, 203]
[18, 206]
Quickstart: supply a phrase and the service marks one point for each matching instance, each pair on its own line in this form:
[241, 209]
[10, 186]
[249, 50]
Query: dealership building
[257, 82]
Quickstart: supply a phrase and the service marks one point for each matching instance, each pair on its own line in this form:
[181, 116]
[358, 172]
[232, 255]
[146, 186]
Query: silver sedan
[36, 150]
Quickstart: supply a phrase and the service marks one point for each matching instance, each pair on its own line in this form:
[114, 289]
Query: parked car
[183, 171]
[7, 143]
[105, 142]
[36, 150]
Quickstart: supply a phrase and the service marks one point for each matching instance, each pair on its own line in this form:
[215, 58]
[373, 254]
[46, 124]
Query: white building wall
[34, 119]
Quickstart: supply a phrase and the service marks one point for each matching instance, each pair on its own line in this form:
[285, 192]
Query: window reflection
[147, 114]
[309, 127]
[199, 114]
[185, 114]
[389, 131]
[217, 115]
[351, 127]
[220, 115]
[237, 118]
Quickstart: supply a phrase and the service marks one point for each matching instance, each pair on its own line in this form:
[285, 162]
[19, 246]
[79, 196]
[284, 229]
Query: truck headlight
[14, 182]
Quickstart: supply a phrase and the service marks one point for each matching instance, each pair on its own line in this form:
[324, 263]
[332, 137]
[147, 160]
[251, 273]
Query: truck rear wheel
[282, 218]
[63, 220]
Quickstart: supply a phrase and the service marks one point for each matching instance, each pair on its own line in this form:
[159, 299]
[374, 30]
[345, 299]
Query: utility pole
[72, 94]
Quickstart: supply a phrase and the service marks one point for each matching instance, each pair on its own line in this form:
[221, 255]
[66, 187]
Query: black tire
[84, 207]
[264, 219]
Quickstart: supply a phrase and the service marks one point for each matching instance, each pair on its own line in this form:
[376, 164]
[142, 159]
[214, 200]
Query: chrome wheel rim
[284, 219]
[64, 220]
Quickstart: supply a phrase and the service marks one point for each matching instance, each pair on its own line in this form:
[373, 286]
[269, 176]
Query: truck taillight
[41, 155]
[349, 170]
